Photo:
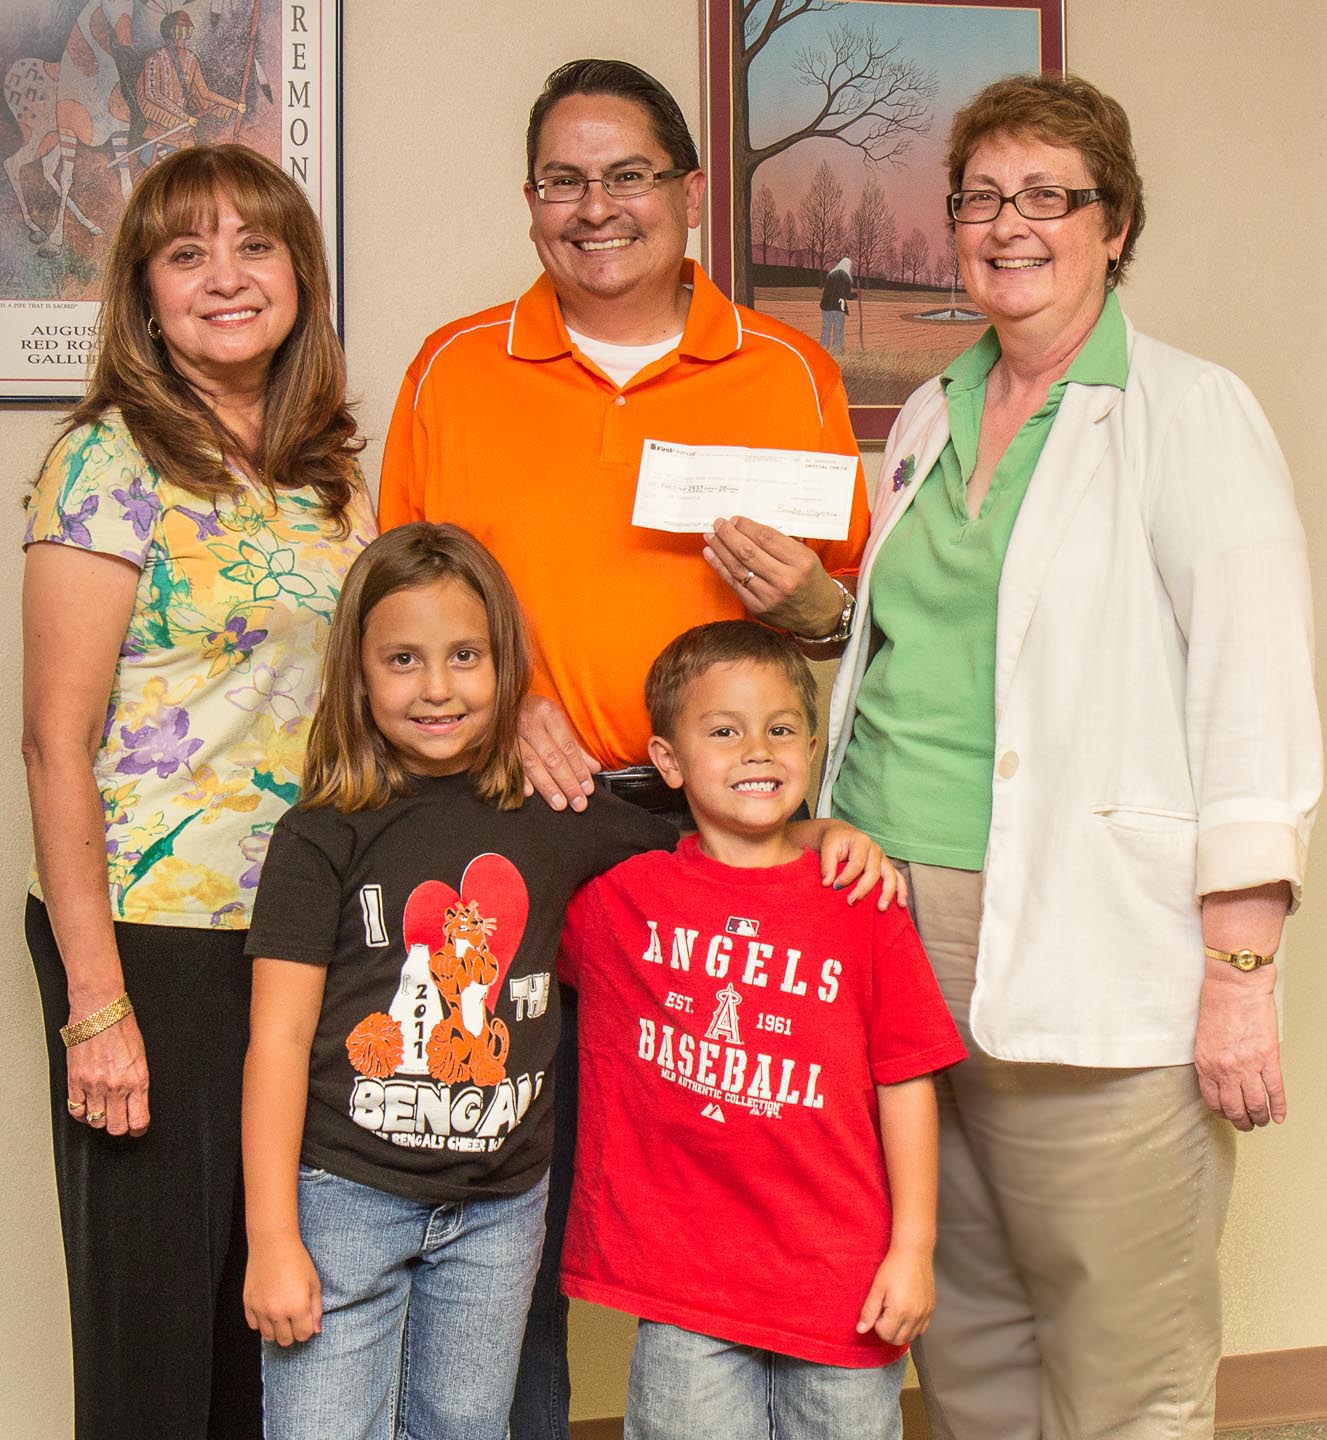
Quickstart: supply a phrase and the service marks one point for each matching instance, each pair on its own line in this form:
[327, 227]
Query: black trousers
[154, 1227]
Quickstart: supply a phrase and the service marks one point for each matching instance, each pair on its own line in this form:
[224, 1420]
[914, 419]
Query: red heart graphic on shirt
[495, 885]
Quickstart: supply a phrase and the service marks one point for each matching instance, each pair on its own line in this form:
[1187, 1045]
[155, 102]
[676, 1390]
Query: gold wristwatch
[1245, 960]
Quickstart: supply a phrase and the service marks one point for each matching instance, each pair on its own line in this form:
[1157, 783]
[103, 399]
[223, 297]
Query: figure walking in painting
[834, 306]
[59, 107]
[172, 93]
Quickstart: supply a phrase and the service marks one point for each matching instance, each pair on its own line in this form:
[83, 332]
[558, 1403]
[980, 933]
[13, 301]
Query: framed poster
[95, 91]
[824, 142]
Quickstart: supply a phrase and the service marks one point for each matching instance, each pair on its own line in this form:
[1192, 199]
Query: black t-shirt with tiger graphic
[438, 919]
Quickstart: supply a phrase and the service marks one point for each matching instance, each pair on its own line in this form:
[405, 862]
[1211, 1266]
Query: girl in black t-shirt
[397, 1123]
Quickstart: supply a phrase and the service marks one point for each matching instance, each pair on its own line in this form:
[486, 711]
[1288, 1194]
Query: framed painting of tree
[824, 142]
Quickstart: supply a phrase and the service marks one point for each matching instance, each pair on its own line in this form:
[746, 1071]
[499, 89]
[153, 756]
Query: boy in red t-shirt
[755, 1057]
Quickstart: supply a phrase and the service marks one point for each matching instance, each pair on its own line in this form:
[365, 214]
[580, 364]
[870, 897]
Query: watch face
[1244, 960]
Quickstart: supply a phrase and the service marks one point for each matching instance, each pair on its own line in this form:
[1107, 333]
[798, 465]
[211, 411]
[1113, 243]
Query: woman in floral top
[188, 537]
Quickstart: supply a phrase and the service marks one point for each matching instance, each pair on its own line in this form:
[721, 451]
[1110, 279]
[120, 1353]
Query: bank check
[803, 493]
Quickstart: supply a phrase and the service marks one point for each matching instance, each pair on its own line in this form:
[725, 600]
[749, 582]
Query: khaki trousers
[1080, 1213]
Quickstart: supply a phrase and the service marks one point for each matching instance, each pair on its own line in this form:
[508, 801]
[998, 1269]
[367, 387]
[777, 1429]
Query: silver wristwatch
[843, 629]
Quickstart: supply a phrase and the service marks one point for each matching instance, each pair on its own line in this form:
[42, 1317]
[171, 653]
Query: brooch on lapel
[906, 469]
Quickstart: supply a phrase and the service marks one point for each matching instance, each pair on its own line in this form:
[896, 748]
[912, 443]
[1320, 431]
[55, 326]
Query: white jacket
[1156, 732]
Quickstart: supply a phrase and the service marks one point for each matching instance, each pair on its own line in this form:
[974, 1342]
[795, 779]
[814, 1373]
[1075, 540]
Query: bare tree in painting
[873, 230]
[792, 240]
[872, 234]
[821, 213]
[868, 95]
[916, 252]
[765, 221]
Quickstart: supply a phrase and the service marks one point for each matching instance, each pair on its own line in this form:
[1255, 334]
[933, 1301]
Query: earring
[153, 327]
[1112, 264]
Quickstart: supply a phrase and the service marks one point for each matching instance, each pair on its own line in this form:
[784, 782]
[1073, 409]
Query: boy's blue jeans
[423, 1311]
[686, 1386]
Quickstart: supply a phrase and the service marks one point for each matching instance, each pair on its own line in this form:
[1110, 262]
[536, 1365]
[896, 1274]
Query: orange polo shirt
[504, 427]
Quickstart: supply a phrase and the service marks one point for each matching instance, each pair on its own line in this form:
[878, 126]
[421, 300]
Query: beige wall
[1229, 117]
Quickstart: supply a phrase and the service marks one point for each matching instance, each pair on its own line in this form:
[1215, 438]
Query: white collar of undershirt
[621, 363]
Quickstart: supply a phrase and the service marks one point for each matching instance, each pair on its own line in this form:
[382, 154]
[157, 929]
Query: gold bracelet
[95, 1023]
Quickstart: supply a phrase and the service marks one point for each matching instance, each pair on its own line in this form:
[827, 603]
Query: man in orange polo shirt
[525, 424]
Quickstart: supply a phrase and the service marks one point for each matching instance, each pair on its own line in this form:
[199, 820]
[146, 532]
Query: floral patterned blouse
[218, 673]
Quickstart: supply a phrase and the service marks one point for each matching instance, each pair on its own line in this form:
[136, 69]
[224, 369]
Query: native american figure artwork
[109, 87]
[93, 93]
[173, 93]
[459, 946]
[76, 101]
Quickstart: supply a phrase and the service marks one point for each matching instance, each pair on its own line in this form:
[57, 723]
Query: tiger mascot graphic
[459, 947]
[466, 1044]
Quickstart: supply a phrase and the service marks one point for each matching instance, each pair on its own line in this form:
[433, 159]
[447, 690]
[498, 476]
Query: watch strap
[1245, 960]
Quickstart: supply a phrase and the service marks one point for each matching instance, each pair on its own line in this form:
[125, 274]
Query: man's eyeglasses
[1038, 202]
[620, 184]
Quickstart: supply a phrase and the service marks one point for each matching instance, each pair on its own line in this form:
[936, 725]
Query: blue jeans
[423, 1310]
[686, 1386]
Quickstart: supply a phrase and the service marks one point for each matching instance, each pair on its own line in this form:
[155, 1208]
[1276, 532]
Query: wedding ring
[748, 578]
[96, 1115]
[75, 1106]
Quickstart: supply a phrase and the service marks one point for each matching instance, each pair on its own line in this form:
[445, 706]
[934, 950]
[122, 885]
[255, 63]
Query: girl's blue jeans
[423, 1312]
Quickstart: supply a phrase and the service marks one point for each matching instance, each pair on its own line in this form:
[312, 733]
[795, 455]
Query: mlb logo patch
[740, 925]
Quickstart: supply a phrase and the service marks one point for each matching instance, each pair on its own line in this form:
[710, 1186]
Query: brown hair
[1068, 111]
[625, 82]
[348, 765]
[308, 433]
[722, 642]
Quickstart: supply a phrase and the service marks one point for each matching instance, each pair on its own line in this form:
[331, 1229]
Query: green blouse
[917, 775]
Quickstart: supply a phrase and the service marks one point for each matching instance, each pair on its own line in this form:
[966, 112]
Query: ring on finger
[95, 1117]
[748, 578]
[76, 1107]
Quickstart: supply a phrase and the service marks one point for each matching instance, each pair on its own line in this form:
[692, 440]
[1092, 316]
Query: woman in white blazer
[1077, 706]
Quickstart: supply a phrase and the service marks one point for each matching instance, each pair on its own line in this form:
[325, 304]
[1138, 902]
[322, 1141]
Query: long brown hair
[348, 765]
[308, 434]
